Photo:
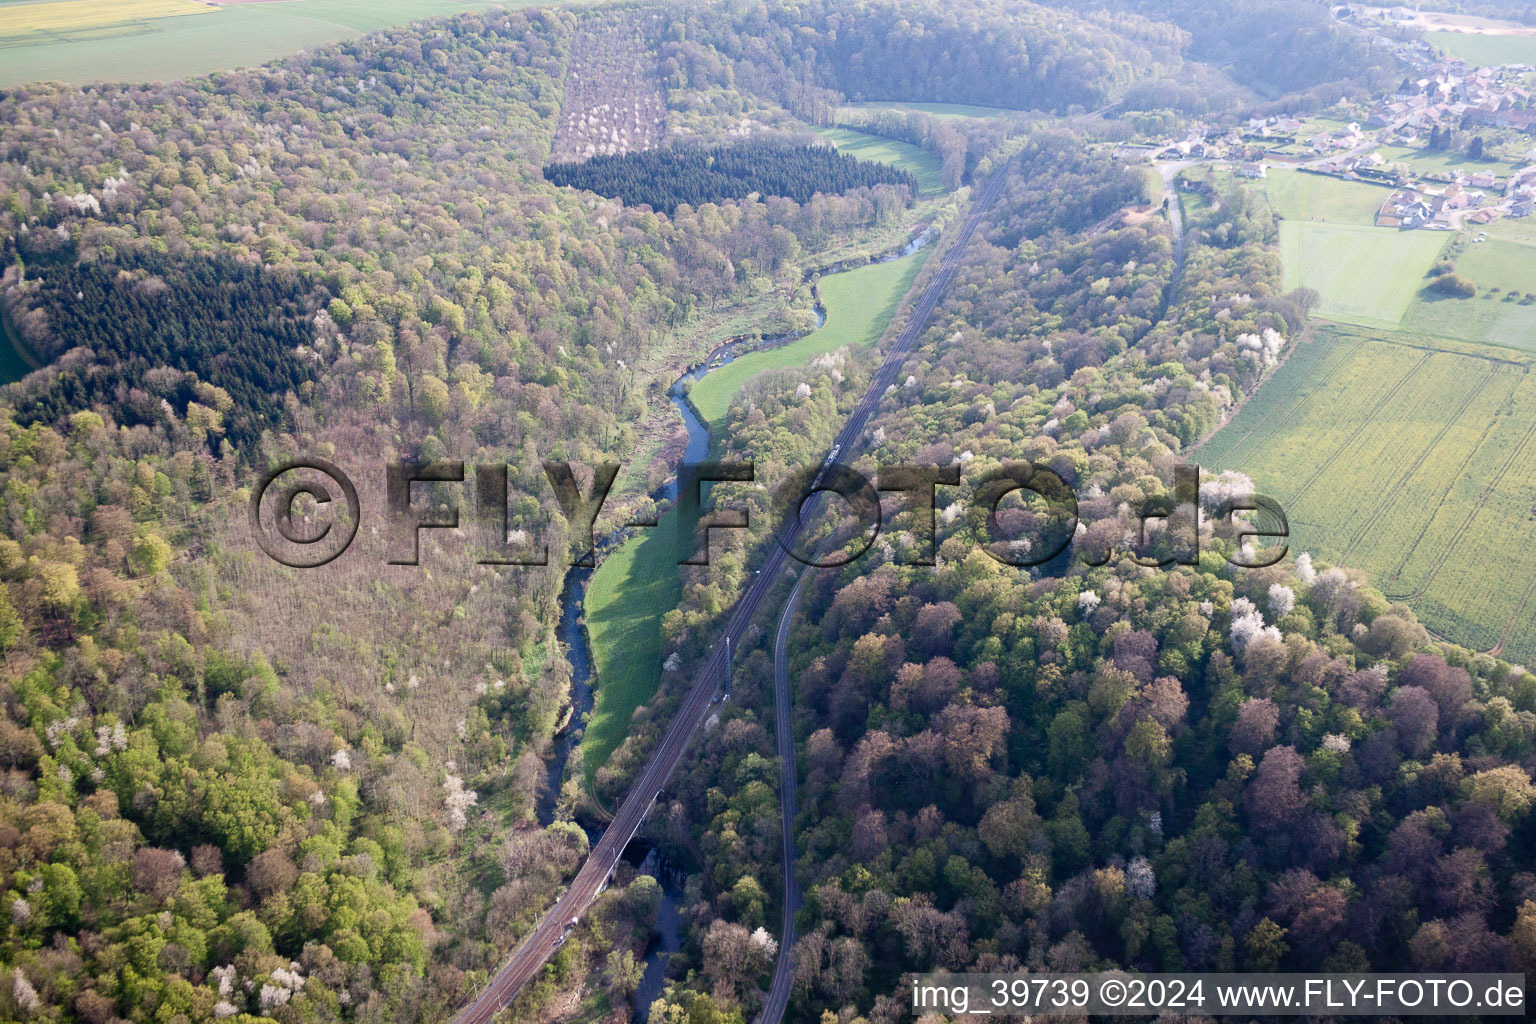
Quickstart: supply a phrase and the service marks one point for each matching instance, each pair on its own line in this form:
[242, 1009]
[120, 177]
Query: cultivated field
[1414, 460]
[923, 164]
[63, 19]
[1366, 276]
[38, 43]
[1483, 48]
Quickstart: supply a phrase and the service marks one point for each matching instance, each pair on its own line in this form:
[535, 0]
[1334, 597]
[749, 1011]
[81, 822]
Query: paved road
[784, 737]
[540, 944]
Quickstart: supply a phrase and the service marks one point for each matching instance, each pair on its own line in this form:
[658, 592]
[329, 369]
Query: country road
[540, 944]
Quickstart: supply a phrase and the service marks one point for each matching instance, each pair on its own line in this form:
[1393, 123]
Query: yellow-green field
[126, 40]
[56, 19]
[1412, 459]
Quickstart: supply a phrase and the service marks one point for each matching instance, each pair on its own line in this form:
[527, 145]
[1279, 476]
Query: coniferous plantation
[235, 791]
[236, 331]
[663, 179]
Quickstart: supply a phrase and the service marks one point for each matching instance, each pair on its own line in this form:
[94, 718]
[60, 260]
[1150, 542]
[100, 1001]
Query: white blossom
[458, 801]
[1088, 600]
[1304, 570]
[23, 993]
[1281, 600]
[803, 390]
[1140, 879]
[1336, 742]
[764, 941]
[341, 760]
[273, 996]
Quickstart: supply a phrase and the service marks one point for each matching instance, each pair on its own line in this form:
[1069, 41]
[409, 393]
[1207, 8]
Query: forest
[229, 791]
[664, 179]
[234, 792]
[215, 333]
[1181, 769]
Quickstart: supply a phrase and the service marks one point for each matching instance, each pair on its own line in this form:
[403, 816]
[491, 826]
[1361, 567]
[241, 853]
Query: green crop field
[1366, 276]
[1412, 459]
[132, 44]
[923, 164]
[1504, 272]
[858, 302]
[1486, 49]
[1298, 195]
[638, 581]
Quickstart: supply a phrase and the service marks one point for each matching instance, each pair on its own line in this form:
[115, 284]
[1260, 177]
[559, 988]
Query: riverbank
[638, 581]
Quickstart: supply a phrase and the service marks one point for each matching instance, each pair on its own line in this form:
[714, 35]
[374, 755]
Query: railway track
[539, 945]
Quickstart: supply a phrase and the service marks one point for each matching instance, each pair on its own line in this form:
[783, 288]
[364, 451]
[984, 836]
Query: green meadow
[1486, 49]
[1297, 195]
[1366, 276]
[859, 303]
[1505, 273]
[923, 164]
[637, 582]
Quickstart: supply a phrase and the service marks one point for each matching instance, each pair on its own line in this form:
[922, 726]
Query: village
[1456, 144]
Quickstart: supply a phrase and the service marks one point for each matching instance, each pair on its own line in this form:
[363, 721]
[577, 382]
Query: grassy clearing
[923, 165]
[1481, 49]
[1427, 162]
[859, 304]
[1366, 276]
[1504, 272]
[162, 48]
[626, 598]
[1296, 195]
[1411, 459]
[638, 582]
[948, 110]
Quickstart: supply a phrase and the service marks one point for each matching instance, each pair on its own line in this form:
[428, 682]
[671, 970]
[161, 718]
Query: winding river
[572, 634]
